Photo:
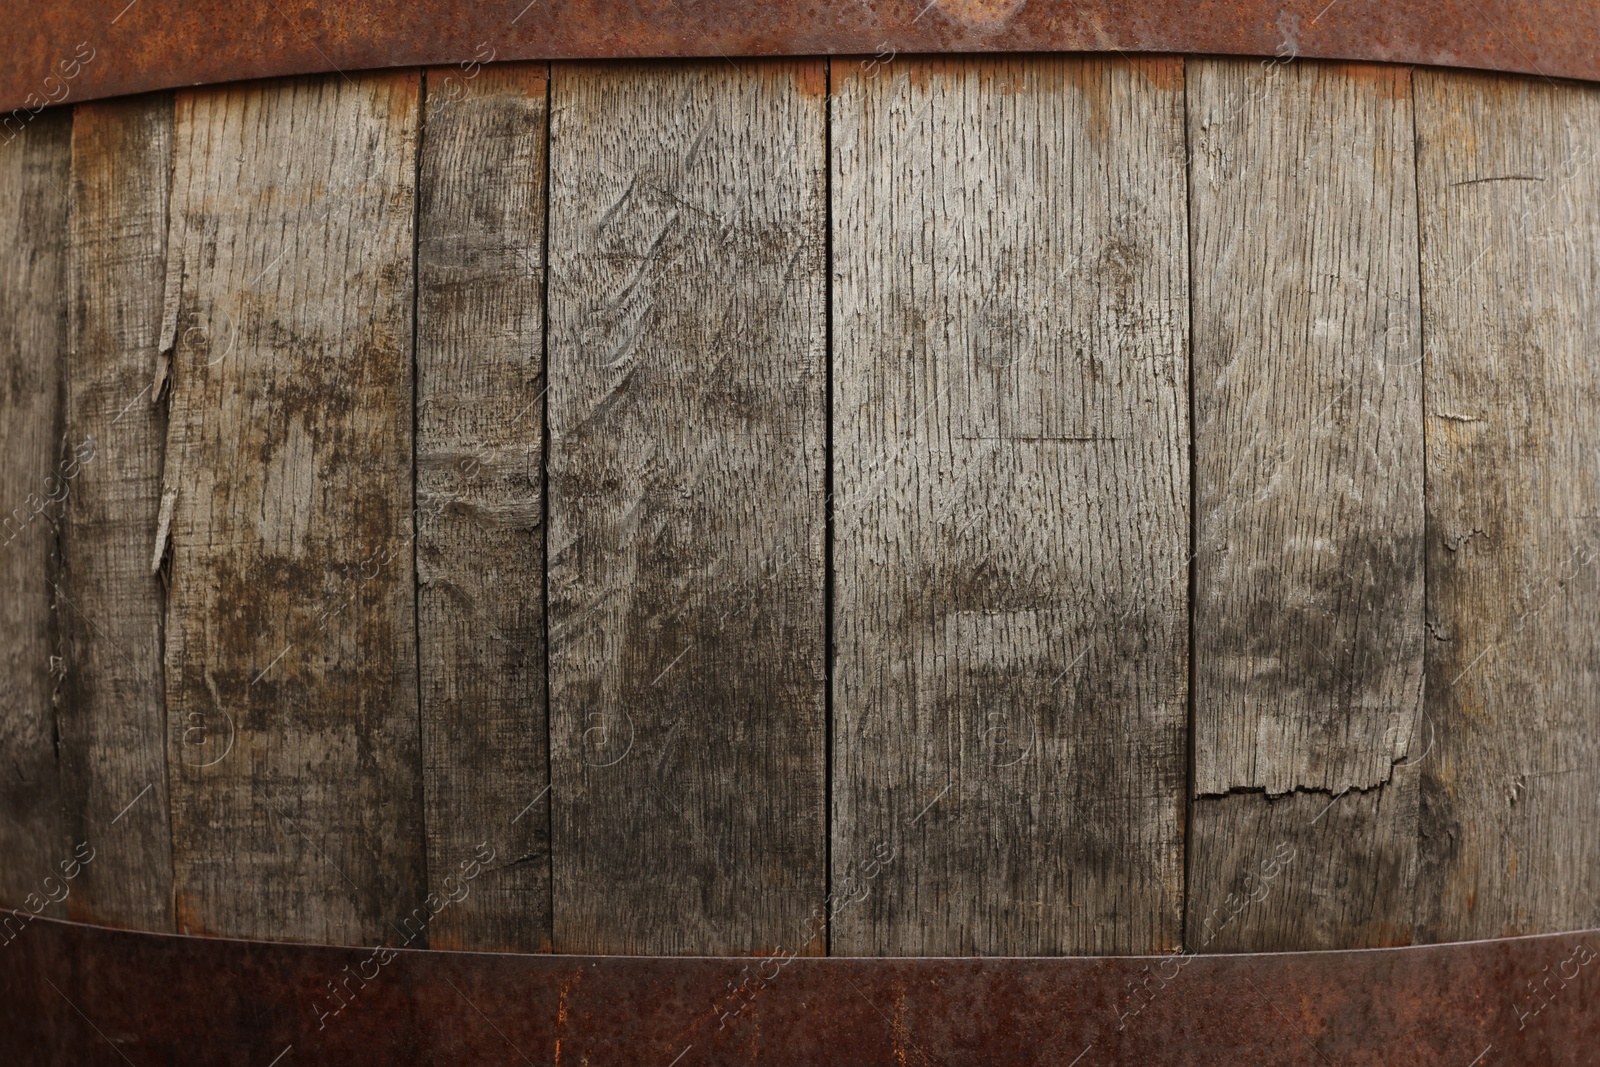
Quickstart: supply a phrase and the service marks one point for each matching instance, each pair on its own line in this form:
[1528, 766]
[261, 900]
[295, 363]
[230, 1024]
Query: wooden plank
[1012, 506]
[687, 422]
[1304, 870]
[1308, 492]
[291, 672]
[1509, 186]
[110, 604]
[34, 170]
[480, 546]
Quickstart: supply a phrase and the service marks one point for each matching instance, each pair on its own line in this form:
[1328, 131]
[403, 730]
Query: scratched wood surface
[688, 425]
[1307, 393]
[480, 539]
[1509, 186]
[291, 673]
[1011, 506]
[836, 594]
[34, 176]
[110, 603]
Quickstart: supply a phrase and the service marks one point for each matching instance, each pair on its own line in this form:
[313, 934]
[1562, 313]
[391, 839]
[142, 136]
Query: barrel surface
[890, 506]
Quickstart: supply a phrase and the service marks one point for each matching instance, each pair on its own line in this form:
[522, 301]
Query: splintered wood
[292, 730]
[1308, 553]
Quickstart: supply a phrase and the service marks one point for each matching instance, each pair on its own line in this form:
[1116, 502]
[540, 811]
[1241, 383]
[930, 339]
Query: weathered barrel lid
[135, 46]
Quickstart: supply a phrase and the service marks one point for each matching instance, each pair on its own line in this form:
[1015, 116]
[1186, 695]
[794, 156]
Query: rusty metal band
[148, 44]
[88, 995]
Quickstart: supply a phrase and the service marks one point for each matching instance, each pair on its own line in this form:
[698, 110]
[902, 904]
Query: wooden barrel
[1012, 505]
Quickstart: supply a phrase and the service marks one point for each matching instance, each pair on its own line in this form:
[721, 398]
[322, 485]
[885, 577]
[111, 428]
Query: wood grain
[480, 542]
[1012, 506]
[291, 671]
[1309, 576]
[687, 430]
[110, 603]
[34, 168]
[1377, 758]
[1509, 188]
[1305, 870]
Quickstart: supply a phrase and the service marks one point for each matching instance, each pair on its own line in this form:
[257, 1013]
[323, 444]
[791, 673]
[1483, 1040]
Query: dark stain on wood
[480, 544]
[291, 680]
[112, 605]
[1511, 272]
[34, 177]
[1010, 340]
[686, 474]
[1309, 515]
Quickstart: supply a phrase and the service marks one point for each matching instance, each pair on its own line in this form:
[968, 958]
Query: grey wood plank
[1304, 870]
[291, 671]
[35, 478]
[1011, 515]
[110, 602]
[480, 542]
[1309, 578]
[687, 427]
[1509, 188]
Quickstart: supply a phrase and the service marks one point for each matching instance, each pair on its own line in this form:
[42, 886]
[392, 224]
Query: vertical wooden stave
[1309, 513]
[964, 197]
[111, 604]
[291, 677]
[686, 478]
[1509, 187]
[34, 177]
[480, 551]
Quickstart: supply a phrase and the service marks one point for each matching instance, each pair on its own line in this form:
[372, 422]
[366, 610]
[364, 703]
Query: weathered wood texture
[687, 426]
[1303, 870]
[480, 535]
[291, 672]
[1307, 393]
[1509, 185]
[34, 176]
[342, 697]
[1011, 505]
[110, 604]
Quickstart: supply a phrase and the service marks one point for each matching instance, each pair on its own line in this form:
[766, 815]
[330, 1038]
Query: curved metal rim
[142, 45]
[92, 995]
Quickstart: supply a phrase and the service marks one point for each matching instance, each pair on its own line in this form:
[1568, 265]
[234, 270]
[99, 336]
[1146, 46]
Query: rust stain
[1388, 81]
[813, 79]
[1163, 72]
[1389, 935]
[188, 919]
[814, 947]
[1310, 1019]
[1470, 708]
[439, 936]
[162, 46]
[1003, 76]
[1446, 774]
[561, 1011]
[984, 13]
[898, 1027]
[403, 96]
[1089, 78]
[1361, 1006]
